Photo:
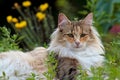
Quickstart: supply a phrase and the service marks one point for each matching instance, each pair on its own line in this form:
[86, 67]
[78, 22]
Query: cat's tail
[39, 53]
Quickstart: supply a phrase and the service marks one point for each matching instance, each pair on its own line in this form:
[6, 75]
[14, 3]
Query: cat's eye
[70, 35]
[83, 35]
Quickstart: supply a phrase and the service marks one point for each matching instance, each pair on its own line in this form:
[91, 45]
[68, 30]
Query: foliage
[70, 8]
[112, 49]
[106, 13]
[4, 77]
[34, 24]
[7, 41]
[51, 64]
[32, 77]
[61, 5]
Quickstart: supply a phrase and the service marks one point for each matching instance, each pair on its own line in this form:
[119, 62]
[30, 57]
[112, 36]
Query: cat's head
[76, 34]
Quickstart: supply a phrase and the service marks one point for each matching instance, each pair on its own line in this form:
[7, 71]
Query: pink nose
[77, 43]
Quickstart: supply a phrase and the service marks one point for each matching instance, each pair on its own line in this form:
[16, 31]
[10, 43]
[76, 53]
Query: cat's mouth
[78, 46]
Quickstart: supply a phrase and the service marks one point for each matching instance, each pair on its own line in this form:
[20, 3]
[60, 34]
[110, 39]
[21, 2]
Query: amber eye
[70, 35]
[82, 35]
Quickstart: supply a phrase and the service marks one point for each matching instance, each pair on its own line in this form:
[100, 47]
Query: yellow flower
[40, 15]
[43, 7]
[17, 25]
[9, 19]
[26, 3]
[21, 25]
[14, 20]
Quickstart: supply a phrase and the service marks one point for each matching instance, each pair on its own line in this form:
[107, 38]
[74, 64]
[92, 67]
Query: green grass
[7, 41]
[51, 64]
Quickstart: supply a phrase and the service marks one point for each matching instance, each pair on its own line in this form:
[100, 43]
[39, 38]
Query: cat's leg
[67, 68]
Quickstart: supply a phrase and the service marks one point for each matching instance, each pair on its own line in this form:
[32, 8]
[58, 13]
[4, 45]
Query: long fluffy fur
[87, 58]
[18, 65]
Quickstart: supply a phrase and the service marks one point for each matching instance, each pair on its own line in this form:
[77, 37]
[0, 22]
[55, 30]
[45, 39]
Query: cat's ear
[62, 19]
[89, 18]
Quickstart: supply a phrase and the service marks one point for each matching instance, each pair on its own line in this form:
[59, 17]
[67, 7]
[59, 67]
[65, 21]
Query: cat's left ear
[89, 18]
[62, 19]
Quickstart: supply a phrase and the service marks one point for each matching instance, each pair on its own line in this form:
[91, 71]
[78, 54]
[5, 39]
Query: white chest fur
[87, 58]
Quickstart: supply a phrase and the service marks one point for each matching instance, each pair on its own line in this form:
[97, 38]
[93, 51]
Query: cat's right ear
[89, 19]
[62, 19]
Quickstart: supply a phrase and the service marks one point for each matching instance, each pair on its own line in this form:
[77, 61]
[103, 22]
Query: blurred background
[33, 21]
[26, 24]
[71, 8]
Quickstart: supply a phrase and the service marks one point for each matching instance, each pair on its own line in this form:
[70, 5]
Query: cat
[18, 65]
[76, 43]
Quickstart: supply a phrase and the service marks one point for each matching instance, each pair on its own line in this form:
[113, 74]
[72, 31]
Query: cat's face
[76, 34]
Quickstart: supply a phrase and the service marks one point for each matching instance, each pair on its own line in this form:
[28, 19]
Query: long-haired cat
[18, 65]
[76, 43]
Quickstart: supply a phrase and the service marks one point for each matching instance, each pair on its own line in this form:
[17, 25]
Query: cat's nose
[77, 43]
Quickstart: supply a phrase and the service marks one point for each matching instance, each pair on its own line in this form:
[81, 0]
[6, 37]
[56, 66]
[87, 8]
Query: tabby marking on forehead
[76, 27]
